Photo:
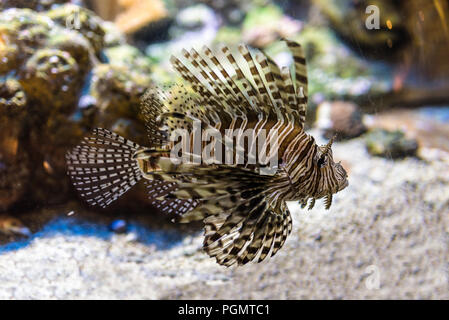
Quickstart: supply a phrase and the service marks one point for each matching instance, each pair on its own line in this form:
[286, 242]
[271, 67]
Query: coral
[13, 108]
[82, 20]
[48, 147]
[75, 44]
[128, 56]
[37, 5]
[52, 78]
[186, 32]
[14, 179]
[261, 27]
[118, 89]
[12, 98]
[45, 63]
[113, 36]
[21, 30]
[14, 170]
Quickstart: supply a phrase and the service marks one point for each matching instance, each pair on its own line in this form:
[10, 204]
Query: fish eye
[322, 161]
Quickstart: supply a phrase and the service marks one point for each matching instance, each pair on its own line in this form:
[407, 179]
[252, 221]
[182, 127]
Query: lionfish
[244, 211]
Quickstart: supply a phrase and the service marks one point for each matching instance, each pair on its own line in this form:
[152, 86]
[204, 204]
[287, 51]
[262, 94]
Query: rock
[117, 90]
[341, 118]
[7, 4]
[390, 144]
[49, 179]
[13, 226]
[428, 125]
[431, 26]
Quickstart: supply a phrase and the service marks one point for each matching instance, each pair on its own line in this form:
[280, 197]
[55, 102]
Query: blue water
[70, 227]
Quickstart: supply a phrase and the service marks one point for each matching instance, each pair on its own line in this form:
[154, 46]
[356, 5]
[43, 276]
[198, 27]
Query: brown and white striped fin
[206, 93]
[241, 99]
[102, 167]
[264, 90]
[241, 85]
[263, 97]
[239, 221]
[209, 93]
[248, 233]
[277, 88]
[171, 108]
[301, 81]
[273, 83]
[158, 189]
[300, 68]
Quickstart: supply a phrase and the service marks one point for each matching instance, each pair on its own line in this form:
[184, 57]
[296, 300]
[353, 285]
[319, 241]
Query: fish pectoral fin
[328, 201]
[311, 204]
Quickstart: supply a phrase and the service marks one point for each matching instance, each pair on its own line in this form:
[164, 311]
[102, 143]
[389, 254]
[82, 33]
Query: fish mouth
[344, 185]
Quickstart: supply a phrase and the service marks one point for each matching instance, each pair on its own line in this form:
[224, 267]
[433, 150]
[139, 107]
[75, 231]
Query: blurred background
[378, 76]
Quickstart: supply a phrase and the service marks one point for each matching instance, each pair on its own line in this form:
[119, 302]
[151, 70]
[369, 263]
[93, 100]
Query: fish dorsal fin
[248, 84]
[301, 81]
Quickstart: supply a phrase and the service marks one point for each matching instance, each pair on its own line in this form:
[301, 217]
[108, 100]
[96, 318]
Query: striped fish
[244, 211]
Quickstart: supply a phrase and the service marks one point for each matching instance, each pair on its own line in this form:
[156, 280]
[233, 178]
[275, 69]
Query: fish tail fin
[102, 167]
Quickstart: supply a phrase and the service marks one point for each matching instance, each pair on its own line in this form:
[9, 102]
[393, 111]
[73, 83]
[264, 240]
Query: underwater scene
[224, 149]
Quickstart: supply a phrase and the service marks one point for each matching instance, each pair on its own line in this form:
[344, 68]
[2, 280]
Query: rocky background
[69, 66]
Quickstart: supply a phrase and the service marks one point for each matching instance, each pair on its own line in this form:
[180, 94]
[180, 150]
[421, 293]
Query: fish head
[334, 177]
